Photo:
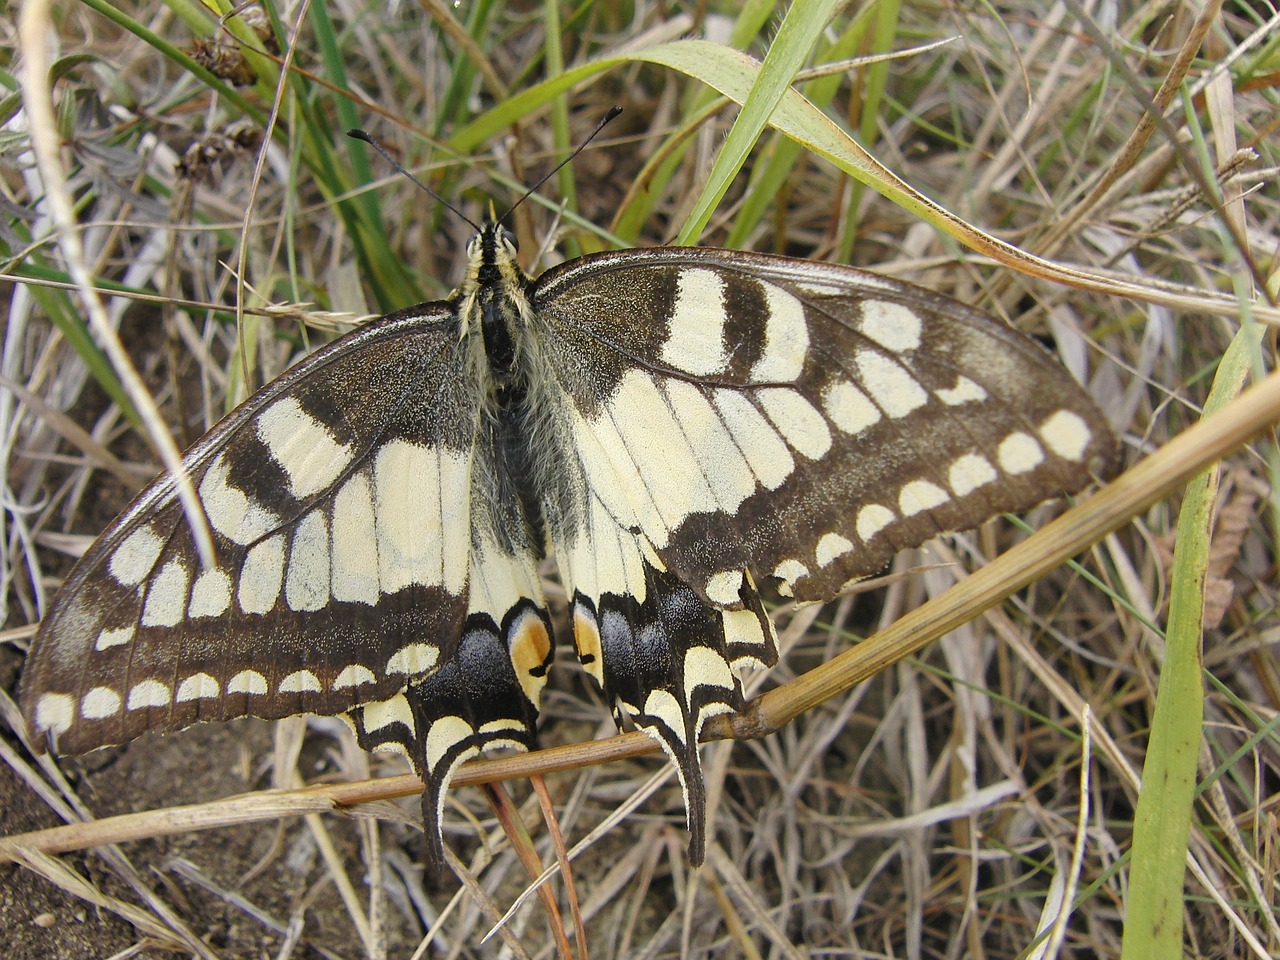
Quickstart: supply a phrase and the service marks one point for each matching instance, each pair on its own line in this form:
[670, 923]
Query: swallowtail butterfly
[676, 425]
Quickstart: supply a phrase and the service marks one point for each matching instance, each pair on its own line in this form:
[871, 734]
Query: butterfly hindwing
[484, 696]
[665, 660]
[339, 501]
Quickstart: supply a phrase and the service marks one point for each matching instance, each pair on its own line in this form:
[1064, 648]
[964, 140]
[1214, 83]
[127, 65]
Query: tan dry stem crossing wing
[678, 424]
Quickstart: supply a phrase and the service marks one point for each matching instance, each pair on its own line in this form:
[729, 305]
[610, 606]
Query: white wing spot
[797, 420]
[55, 712]
[969, 472]
[306, 584]
[353, 676]
[892, 325]
[1019, 453]
[1066, 434]
[167, 596]
[303, 447]
[261, 575]
[135, 557]
[355, 545]
[789, 571]
[300, 681]
[413, 659]
[831, 546]
[724, 587]
[113, 638]
[919, 496]
[149, 693]
[230, 511]
[695, 342]
[965, 391]
[198, 686]
[849, 408]
[100, 703]
[889, 384]
[872, 519]
[211, 595]
[786, 339]
[247, 681]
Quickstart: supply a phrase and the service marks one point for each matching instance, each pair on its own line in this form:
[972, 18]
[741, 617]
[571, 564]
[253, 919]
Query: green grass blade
[787, 54]
[1162, 819]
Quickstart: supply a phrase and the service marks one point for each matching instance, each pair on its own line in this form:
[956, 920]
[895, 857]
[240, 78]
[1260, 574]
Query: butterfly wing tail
[666, 661]
[475, 702]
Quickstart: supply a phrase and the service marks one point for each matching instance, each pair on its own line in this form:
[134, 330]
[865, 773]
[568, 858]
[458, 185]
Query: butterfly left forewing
[339, 501]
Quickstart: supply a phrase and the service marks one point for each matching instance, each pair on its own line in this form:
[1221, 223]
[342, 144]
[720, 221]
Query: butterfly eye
[509, 239]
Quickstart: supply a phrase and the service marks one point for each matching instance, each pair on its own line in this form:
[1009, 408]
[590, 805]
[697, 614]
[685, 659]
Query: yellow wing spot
[831, 546]
[413, 659]
[919, 496]
[872, 519]
[353, 675]
[135, 557]
[55, 712]
[300, 681]
[248, 681]
[1066, 434]
[530, 646]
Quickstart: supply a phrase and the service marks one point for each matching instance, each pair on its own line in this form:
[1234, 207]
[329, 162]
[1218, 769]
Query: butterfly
[677, 425]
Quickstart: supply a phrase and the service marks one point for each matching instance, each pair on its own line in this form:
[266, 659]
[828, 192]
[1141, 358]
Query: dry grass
[943, 808]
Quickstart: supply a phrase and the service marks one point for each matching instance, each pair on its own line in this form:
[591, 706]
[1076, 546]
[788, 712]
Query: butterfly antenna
[361, 135]
[604, 121]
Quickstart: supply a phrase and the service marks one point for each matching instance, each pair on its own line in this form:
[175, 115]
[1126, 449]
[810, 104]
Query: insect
[676, 425]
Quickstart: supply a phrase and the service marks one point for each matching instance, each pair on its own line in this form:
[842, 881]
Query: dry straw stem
[1150, 481]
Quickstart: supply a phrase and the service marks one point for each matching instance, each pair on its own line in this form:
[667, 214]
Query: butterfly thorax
[495, 297]
[495, 317]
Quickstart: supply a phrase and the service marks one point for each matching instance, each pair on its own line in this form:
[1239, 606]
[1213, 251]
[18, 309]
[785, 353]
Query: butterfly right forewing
[801, 420]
